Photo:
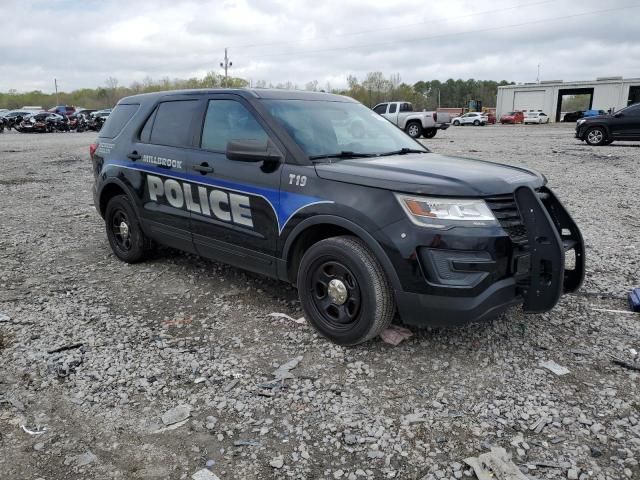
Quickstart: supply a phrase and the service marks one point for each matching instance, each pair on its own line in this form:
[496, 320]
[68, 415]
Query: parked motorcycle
[78, 122]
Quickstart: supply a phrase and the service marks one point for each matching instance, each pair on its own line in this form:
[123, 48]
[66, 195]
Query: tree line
[374, 88]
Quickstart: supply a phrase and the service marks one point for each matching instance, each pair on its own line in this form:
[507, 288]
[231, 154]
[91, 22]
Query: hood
[431, 174]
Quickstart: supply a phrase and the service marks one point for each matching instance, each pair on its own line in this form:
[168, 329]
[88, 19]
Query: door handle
[134, 156]
[203, 168]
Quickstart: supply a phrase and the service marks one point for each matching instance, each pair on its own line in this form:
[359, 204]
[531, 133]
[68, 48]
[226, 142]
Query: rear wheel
[413, 129]
[429, 133]
[344, 291]
[125, 236]
[596, 136]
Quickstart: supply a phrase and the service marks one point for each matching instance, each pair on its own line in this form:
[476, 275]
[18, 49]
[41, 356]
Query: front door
[235, 219]
[626, 123]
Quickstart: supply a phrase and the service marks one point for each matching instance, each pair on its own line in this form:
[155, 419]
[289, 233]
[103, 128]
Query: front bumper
[526, 268]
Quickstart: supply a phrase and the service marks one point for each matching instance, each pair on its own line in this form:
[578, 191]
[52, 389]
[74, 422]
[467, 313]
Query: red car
[512, 117]
[492, 118]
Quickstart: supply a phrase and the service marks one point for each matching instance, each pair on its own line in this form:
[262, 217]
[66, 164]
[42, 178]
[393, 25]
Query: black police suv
[606, 129]
[317, 190]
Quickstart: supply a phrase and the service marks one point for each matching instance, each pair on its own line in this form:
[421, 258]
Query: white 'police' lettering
[220, 204]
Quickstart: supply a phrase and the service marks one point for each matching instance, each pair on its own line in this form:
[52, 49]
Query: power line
[430, 37]
[405, 25]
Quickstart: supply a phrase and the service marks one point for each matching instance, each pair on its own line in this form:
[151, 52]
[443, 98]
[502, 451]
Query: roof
[585, 83]
[264, 93]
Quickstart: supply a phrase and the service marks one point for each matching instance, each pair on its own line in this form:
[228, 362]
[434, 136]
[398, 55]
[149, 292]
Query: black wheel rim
[339, 312]
[121, 230]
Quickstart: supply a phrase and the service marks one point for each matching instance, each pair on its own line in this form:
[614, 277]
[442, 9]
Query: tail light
[92, 149]
[435, 116]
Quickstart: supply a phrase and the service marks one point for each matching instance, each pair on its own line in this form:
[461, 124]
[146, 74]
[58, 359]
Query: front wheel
[596, 136]
[429, 133]
[476, 123]
[456, 123]
[125, 236]
[414, 129]
[344, 291]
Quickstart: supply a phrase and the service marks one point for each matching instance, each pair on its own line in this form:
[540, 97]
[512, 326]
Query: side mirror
[250, 150]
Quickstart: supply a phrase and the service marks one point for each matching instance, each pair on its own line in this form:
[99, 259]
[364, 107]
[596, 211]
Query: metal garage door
[528, 100]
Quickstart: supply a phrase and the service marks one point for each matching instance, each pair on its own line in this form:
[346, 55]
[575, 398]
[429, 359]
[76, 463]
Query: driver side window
[229, 120]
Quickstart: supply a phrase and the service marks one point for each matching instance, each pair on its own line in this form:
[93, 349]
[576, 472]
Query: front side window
[229, 120]
[380, 109]
[393, 107]
[172, 123]
[327, 128]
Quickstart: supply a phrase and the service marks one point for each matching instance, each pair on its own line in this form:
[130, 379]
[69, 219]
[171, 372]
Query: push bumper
[536, 279]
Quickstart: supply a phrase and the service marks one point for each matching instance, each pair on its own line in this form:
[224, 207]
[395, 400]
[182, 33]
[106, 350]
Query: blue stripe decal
[284, 204]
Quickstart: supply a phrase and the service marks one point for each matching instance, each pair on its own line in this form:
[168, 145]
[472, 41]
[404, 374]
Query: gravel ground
[160, 369]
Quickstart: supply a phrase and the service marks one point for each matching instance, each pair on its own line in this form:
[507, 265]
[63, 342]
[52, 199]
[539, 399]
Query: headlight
[446, 212]
[32, 120]
[581, 121]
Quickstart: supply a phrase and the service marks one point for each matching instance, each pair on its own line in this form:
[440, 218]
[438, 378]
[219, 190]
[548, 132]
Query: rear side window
[229, 120]
[118, 119]
[172, 123]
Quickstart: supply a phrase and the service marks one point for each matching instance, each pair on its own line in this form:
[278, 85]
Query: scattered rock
[176, 414]
[277, 462]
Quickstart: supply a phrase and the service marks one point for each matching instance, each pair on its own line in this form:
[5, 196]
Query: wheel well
[108, 192]
[308, 237]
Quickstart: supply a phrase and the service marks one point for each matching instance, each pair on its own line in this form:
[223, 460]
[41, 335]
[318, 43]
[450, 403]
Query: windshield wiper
[342, 154]
[404, 151]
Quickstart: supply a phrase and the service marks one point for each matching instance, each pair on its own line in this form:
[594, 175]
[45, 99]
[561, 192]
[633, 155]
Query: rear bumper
[475, 286]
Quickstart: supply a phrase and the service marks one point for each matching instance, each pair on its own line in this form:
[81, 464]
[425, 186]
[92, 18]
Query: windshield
[328, 128]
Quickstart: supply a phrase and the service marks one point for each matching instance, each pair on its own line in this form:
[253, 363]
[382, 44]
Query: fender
[365, 236]
[125, 187]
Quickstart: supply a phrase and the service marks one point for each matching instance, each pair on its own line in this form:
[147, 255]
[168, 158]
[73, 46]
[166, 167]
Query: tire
[456, 123]
[476, 123]
[361, 304]
[596, 136]
[413, 129]
[131, 245]
[429, 132]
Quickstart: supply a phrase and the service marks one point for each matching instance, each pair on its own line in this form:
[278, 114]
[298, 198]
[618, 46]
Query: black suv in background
[317, 190]
[605, 129]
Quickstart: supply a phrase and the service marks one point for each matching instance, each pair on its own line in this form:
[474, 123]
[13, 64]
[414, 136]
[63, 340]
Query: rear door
[162, 153]
[235, 220]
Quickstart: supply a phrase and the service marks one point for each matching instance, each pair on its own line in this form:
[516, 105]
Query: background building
[602, 94]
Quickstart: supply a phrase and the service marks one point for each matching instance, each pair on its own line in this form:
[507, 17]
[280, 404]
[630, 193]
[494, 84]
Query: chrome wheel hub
[595, 136]
[337, 291]
[124, 230]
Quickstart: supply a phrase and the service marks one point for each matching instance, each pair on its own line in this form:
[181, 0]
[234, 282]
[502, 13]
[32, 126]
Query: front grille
[506, 211]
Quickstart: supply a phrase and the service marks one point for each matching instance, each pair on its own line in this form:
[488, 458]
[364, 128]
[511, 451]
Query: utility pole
[226, 64]
[55, 84]
[538, 77]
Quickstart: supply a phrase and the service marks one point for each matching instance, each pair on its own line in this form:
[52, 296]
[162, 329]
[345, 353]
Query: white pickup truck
[414, 123]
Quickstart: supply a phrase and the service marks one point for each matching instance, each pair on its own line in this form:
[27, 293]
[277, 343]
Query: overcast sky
[82, 42]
